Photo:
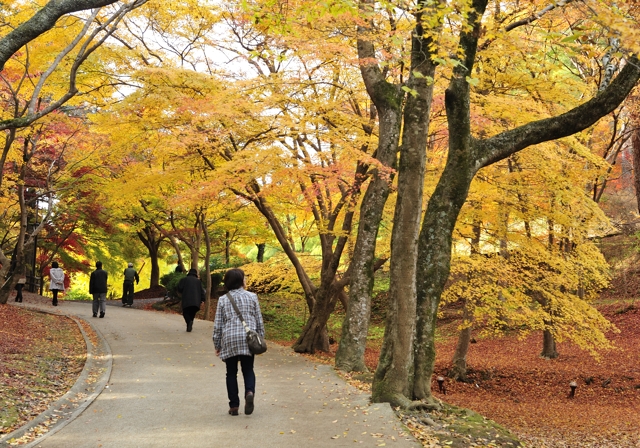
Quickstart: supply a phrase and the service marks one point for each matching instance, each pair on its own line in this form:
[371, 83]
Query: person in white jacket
[57, 281]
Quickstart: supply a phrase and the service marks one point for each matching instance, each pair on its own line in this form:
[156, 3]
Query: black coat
[98, 282]
[191, 290]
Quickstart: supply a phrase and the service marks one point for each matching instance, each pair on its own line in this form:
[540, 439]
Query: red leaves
[511, 384]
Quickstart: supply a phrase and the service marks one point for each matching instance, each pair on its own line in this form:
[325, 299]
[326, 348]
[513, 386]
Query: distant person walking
[98, 289]
[56, 276]
[130, 275]
[229, 338]
[19, 286]
[192, 294]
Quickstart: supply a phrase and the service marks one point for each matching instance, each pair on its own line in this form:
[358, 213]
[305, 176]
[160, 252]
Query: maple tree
[40, 74]
[297, 166]
[393, 381]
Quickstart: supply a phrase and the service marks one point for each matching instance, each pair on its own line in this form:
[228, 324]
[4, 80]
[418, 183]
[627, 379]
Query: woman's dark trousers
[246, 363]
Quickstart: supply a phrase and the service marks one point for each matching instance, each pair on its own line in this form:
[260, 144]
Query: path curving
[167, 389]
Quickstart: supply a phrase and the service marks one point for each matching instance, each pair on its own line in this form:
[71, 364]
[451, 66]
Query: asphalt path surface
[167, 389]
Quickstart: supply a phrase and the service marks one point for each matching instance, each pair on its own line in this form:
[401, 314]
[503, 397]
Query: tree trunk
[155, 270]
[152, 240]
[434, 258]
[459, 362]
[227, 248]
[350, 354]
[314, 336]
[443, 208]
[548, 345]
[392, 381]
[466, 156]
[635, 142]
[207, 267]
[18, 261]
[260, 257]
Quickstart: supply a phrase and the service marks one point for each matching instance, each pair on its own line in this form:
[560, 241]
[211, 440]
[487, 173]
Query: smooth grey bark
[388, 102]
[392, 381]
[41, 22]
[466, 156]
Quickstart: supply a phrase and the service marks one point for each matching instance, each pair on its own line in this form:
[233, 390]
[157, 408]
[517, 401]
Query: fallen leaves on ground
[41, 356]
[511, 384]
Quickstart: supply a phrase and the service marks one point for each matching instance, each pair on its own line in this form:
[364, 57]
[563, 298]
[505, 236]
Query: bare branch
[538, 15]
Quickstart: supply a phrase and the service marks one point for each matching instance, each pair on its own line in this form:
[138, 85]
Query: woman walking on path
[56, 284]
[229, 338]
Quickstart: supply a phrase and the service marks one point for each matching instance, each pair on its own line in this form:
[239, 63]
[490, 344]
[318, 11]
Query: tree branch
[538, 15]
[41, 22]
[501, 146]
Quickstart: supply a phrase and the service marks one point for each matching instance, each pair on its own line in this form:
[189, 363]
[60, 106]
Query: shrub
[170, 282]
[277, 276]
[77, 294]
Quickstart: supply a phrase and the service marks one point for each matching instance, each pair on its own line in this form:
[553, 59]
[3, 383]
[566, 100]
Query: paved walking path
[167, 389]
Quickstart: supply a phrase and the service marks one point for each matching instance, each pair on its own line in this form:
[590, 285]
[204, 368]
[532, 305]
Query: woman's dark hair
[54, 264]
[233, 279]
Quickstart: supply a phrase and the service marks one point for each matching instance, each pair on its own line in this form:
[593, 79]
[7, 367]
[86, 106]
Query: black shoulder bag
[257, 344]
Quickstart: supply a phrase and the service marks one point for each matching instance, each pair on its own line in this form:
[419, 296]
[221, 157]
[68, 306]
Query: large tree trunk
[466, 156]
[434, 255]
[434, 258]
[388, 101]
[392, 381]
[314, 335]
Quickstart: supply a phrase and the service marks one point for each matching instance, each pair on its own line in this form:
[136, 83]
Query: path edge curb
[92, 362]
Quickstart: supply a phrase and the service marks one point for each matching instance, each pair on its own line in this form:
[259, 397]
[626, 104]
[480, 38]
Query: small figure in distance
[19, 286]
[192, 295]
[130, 275]
[229, 338]
[98, 289]
[179, 268]
[56, 283]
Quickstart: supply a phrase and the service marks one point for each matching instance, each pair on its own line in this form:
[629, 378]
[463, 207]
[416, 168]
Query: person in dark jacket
[192, 294]
[130, 275]
[98, 289]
